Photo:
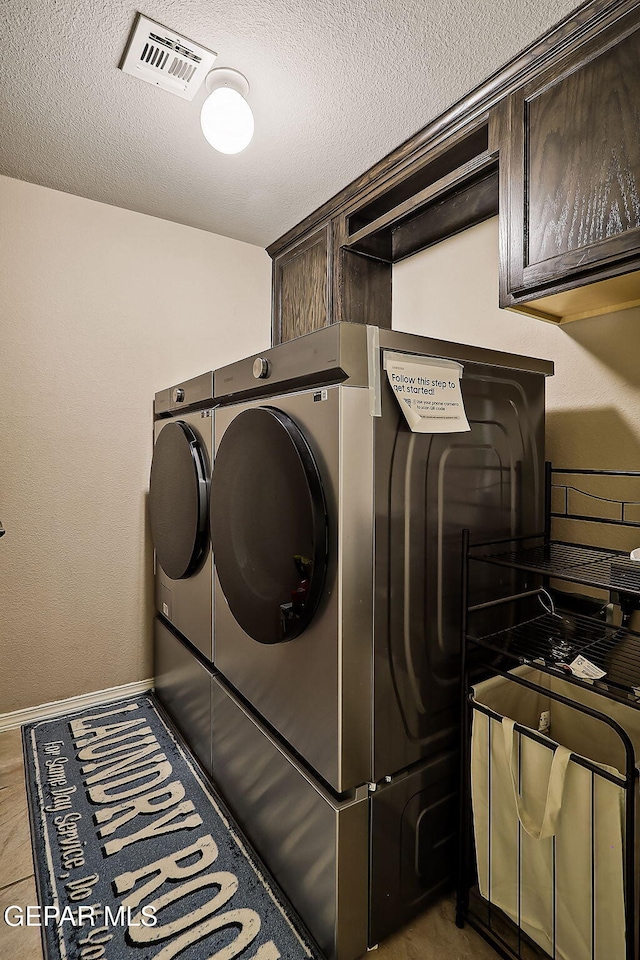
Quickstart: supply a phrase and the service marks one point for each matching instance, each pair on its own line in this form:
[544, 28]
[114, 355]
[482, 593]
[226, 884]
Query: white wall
[593, 401]
[99, 308]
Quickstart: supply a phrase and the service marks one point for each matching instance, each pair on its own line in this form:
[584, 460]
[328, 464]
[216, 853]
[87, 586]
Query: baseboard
[9, 721]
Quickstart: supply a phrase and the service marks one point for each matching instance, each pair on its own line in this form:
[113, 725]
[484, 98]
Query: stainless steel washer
[179, 509]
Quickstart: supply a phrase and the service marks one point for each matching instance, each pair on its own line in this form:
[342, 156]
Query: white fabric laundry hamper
[549, 833]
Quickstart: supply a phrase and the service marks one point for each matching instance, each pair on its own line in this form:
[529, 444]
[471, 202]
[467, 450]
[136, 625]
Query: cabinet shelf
[594, 567]
[459, 199]
[615, 650]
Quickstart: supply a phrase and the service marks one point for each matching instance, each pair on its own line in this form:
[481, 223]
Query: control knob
[178, 395]
[261, 368]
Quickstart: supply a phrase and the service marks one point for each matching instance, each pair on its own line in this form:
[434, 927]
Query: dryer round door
[178, 500]
[268, 525]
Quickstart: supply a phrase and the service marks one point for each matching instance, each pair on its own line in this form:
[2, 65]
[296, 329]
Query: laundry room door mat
[136, 857]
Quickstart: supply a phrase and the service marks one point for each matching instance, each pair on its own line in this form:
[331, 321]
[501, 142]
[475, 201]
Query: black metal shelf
[591, 566]
[549, 642]
[552, 642]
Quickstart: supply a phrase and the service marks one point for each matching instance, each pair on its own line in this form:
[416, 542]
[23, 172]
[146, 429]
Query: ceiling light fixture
[226, 118]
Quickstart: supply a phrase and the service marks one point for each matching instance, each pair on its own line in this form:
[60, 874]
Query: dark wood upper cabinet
[569, 148]
[302, 278]
[317, 282]
[551, 142]
[343, 270]
[587, 126]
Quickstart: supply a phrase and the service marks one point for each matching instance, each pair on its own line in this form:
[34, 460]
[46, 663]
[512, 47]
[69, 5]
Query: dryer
[336, 533]
[179, 509]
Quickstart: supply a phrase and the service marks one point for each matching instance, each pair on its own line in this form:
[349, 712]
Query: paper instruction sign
[583, 668]
[428, 391]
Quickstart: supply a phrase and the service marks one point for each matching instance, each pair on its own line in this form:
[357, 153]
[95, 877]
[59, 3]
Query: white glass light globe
[227, 120]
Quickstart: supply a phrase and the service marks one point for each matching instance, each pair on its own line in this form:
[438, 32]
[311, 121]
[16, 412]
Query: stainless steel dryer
[336, 534]
[179, 509]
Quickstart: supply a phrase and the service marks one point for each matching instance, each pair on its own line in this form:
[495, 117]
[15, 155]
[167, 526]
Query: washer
[178, 509]
[337, 540]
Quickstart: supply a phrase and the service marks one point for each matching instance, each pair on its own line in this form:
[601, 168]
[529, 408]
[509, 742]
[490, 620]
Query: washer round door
[268, 525]
[178, 500]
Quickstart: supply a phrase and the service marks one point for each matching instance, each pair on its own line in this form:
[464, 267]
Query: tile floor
[433, 936]
[17, 884]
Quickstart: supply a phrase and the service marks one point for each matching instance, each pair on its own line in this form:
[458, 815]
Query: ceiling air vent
[166, 59]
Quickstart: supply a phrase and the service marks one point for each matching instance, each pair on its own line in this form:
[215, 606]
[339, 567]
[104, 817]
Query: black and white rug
[136, 858]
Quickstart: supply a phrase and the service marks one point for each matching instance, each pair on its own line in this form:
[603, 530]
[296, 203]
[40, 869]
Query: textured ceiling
[335, 85]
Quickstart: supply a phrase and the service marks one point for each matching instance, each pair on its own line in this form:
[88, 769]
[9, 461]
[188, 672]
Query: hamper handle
[555, 787]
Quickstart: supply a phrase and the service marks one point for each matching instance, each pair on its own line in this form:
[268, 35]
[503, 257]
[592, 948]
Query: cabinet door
[570, 169]
[302, 287]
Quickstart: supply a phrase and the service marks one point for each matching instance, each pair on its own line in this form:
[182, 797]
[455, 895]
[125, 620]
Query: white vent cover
[164, 58]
